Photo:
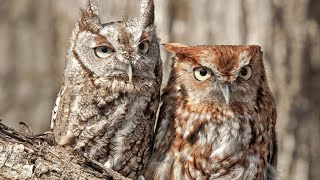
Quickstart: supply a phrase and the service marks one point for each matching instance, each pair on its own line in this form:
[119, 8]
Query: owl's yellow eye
[245, 72]
[202, 73]
[103, 51]
[144, 47]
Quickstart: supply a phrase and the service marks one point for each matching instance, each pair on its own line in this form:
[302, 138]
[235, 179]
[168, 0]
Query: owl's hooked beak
[129, 72]
[225, 88]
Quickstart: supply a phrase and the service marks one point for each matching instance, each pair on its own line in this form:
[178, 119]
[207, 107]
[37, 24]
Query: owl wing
[162, 134]
[273, 158]
[161, 141]
[56, 107]
[55, 114]
[158, 135]
[273, 154]
[60, 118]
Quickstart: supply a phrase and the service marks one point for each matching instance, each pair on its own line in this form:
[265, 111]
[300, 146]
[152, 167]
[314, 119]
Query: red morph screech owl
[218, 117]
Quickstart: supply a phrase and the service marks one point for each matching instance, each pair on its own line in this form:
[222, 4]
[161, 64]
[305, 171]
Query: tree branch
[36, 157]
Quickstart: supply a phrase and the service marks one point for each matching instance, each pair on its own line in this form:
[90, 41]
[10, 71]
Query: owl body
[216, 120]
[107, 107]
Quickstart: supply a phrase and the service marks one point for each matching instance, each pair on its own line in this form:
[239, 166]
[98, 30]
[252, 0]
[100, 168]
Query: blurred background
[34, 39]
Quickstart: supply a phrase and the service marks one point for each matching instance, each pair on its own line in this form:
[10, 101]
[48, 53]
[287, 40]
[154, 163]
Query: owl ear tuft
[181, 50]
[175, 47]
[147, 13]
[89, 16]
[256, 49]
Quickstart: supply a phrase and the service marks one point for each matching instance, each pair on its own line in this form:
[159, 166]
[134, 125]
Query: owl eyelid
[145, 36]
[144, 40]
[204, 67]
[105, 45]
[103, 51]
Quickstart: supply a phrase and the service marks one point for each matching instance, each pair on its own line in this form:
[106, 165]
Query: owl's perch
[34, 157]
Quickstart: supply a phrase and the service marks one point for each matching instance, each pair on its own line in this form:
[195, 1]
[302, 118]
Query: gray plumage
[107, 106]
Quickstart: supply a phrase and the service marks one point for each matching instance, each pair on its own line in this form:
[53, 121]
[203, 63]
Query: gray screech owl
[106, 109]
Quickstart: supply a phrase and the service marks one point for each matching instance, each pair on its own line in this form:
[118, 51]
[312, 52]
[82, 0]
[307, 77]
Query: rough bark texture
[34, 37]
[34, 157]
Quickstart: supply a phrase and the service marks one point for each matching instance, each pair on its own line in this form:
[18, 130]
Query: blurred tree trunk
[28, 58]
[34, 35]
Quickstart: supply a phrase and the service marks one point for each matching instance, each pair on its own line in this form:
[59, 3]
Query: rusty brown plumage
[218, 116]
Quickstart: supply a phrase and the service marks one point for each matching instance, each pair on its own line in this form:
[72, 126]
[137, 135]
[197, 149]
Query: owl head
[225, 75]
[122, 51]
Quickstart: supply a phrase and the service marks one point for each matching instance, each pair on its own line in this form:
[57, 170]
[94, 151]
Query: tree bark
[35, 157]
